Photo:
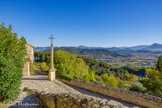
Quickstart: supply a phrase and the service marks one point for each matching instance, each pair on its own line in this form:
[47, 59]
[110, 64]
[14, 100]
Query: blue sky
[102, 23]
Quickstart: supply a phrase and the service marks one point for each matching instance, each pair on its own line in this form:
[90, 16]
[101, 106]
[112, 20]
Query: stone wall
[30, 52]
[118, 93]
[70, 100]
[26, 70]
[29, 59]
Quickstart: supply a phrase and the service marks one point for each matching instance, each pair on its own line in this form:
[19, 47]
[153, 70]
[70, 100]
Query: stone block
[51, 75]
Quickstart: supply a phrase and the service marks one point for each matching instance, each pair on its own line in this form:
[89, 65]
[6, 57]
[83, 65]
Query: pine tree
[159, 64]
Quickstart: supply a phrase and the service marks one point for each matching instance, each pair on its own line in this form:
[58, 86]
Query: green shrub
[32, 68]
[44, 67]
[111, 80]
[12, 58]
[153, 81]
[127, 86]
[137, 86]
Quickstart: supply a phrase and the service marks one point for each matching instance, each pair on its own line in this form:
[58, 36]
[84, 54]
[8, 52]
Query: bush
[127, 86]
[137, 86]
[32, 68]
[153, 82]
[12, 58]
[111, 81]
[44, 67]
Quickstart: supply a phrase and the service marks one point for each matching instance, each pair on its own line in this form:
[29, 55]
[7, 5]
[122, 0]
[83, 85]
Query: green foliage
[159, 64]
[127, 86]
[137, 86]
[41, 57]
[30, 92]
[153, 82]
[44, 67]
[92, 76]
[101, 68]
[140, 71]
[32, 68]
[98, 67]
[130, 77]
[69, 66]
[12, 58]
[110, 80]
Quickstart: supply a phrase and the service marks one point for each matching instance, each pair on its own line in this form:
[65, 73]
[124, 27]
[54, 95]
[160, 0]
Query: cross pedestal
[51, 75]
[52, 70]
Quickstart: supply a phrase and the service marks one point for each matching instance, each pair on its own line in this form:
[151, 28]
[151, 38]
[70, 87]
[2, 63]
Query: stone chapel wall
[29, 59]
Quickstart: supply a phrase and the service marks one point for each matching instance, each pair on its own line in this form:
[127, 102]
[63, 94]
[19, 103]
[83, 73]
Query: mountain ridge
[152, 47]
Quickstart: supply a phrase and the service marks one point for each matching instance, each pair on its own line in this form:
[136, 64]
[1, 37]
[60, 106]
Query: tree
[111, 81]
[92, 76]
[130, 76]
[44, 67]
[101, 68]
[69, 66]
[134, 77]
[153, 81]
[127, 76]
[12, 59]
[159, 64]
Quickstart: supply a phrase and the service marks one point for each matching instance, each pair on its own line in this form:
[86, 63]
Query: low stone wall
[118, 93]
[70, 100]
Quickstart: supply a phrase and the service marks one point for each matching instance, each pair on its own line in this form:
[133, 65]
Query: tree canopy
[69, 66]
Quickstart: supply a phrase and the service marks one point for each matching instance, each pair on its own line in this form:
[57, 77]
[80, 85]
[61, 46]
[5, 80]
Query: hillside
[141, 55]
[91, 53]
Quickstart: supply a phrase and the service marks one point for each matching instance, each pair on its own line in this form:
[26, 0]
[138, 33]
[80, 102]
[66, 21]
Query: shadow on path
[30, 101]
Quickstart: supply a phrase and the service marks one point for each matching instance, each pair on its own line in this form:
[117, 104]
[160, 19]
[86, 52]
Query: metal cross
[51, 39]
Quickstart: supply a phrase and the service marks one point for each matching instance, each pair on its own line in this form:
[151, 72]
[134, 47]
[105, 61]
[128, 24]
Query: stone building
[29, 59]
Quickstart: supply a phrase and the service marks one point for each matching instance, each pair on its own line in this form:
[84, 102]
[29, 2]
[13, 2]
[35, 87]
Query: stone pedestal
[51, 75]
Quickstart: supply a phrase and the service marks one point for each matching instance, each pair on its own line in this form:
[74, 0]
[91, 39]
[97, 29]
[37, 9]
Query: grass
[3, 105]
[30, 92]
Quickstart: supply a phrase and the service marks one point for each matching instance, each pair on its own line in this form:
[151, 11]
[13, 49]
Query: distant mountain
[41, 48]
[139, 47]
[143, 48]
[82, 46]
[118, 48]
[154, 47]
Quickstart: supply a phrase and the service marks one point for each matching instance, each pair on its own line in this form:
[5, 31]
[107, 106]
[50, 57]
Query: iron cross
[52, 39]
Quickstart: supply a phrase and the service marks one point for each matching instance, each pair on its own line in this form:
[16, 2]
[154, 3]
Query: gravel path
[41, 83]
